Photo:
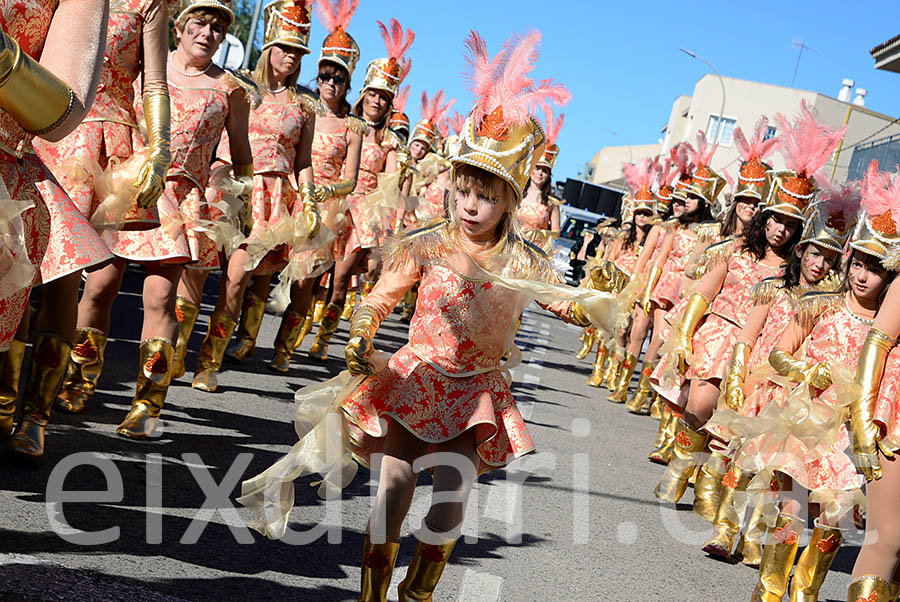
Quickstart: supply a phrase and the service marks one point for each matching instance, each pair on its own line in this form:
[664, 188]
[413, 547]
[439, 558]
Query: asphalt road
[576, 521]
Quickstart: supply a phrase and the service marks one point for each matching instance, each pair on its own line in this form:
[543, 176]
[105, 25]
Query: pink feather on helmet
[502, 85]
[336, 14]
[434, 110]
[702, 154]
[881, 199]
[444, 128]
[807, 144]
[552, 126]
[457, 121]
[393, 40]
[666, 172]
[400, 99]
[640, 177]
[841, 202]
[728, 179]
[757, 147]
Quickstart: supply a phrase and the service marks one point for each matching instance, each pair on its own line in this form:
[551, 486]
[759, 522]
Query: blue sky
[621, 60]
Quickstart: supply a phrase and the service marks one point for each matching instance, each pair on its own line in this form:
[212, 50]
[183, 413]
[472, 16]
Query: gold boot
[778, 559]
[708, 486]
[726, 524]
[753, 539]
[588, 338]
[377, 568]
[665, 438]
[869, 588]
[349, 305]
[286, 341]
[688, 444]
[48, 365]
[186, 313]
[424, 572]
[153, 379]
[318, 311]
[613, 367]
[624, 381]
[212, 350]
[251, 320]
[10, 370]
[330, 322]
[656, 405]
[83, 372]
[596, 377]
[641, 397]
[814, 563]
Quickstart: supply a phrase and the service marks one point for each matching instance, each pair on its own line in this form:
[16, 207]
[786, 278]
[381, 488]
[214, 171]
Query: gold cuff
[817, 375]
[578, 316]
[37, 99]
[340, 188]
[307, 194]
[365, 322]
[652, 279]
[242, 170]
[734, 381]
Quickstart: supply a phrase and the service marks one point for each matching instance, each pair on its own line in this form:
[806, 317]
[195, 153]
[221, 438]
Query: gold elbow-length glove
[243, 173]
[363, 326]
[152, 178]
[310, 208]
[686, 326]
[865, 433]
[38, 100]
[816, 375]
[652, 279]
[607, 278]
[338, 189]
[734, 382]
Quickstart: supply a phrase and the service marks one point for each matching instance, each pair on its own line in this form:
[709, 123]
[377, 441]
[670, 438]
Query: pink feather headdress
[840, 203]
[881, 200]
[396, 47]
[444, 128]
[757, 147]
[457, 121]
[552, 126]
[434, 110]
[505, 95]
[807, 144]
[681, 155]
[339, 46]
[640, 177]
[400, 99]
[702, 154]
[336, 14]
[666, 173]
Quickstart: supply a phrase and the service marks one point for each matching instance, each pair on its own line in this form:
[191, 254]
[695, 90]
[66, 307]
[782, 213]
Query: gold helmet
[877, 231]
[388, 73]
[639, 178]
[666, 174]
[339, 46]
[832, 217]
[806, 146]
[705, 181]
[552, 128]
[500, 135]
[400, 120]
[224, 6]
[433, 111]
[752, 181]
[287, 23]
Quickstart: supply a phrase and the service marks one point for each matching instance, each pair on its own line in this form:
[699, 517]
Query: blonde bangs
[495, 188]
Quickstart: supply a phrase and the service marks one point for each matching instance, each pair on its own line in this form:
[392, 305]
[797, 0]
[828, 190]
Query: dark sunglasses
[337, 80]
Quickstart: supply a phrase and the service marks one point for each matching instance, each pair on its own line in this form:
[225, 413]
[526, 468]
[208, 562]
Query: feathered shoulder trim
[355, 124]
[669, 224]
[391, 140]
[815, 305]
[242, 80]
[308, 100]
[432, 243]
[716, 253]
[765, 291]
[707, 231]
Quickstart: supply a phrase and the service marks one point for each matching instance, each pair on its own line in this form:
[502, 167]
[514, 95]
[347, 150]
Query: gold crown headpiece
[752, 178]
[224, 6]
[832, 217]
[287, 23]
[339, 46]
[388, 73]
[877, 231]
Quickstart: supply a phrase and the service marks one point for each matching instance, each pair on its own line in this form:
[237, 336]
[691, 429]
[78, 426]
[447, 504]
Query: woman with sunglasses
[336, 148]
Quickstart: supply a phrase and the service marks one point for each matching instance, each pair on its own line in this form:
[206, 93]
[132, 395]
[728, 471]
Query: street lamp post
[627, 144]
[252, 34]
[721, 83]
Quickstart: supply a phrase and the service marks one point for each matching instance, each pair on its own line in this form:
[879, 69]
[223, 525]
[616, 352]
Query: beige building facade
[745, 101]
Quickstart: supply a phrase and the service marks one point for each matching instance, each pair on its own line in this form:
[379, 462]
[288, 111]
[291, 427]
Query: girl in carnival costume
[41, 228]
[205, 101]
[336, 151]
[444, 391]
[814, 265]
[539, 213]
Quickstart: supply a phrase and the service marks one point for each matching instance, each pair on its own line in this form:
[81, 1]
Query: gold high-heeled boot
[48, 365]
[330, 322]
[726, 524]
[750, 547]
[688, 444]
[286, 341]
[665, 438]
[636, 404]
[83, 371]
[318, 311]
[596, 377]
[153, 379]
[10, 370]
[656, 405]
[814, 563]
[377, 568]
[778, 559]
[212, 350]
[252, 313]
[186, 313]
[588, 338]
[349, 305]
[424, 572]
[613, 368]
[708, 486]
[624, 380]
[869, 588]
[366, 289]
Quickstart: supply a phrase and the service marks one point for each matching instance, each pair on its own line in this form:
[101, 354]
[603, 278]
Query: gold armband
[242, 170]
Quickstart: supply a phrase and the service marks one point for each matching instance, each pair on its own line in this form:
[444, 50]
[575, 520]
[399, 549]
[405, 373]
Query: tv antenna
[798, 43]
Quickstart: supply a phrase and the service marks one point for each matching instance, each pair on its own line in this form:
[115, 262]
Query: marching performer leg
[688, 444]
[596, 377]
[814, 563]
[778, 559]
[153, 379]
[209, 359]
[186, 313]
[83, 372]
[248, 329]
[10, 370]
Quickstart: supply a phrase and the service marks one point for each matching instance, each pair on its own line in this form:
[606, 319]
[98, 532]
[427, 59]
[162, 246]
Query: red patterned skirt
[712, 346]
[438, 408]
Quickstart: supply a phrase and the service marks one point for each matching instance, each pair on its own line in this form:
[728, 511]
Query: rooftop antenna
[798, 43]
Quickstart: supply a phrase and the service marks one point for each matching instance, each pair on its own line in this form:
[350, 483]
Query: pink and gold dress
[684, 238]
[53, 236]
[198, 120]
[534, 218]
[627, 259]
[367, 226]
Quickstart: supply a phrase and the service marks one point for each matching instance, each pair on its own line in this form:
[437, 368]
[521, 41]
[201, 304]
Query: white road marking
[480, 587]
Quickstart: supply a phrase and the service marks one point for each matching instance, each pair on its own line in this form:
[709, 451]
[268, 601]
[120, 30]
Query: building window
[724, 133]
[770, 133]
